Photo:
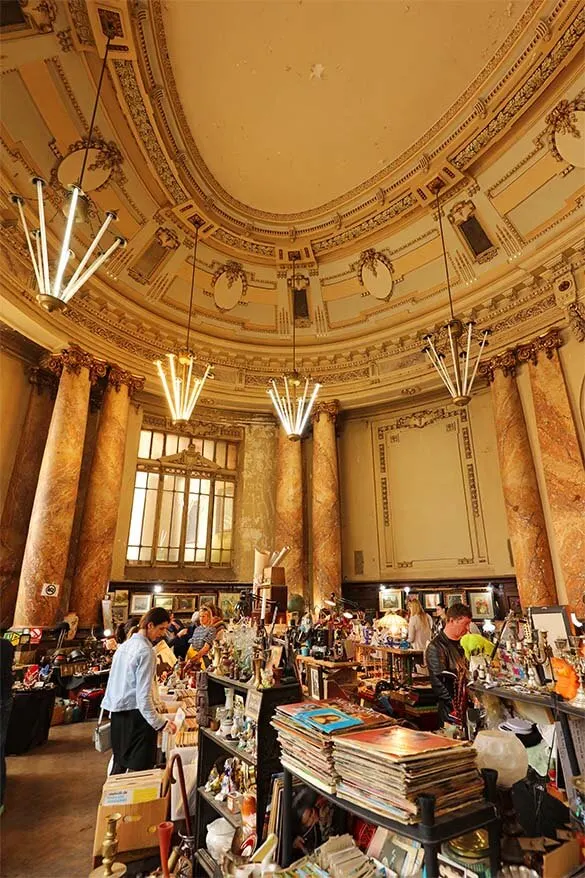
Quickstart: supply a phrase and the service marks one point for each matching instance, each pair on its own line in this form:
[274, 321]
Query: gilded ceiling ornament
[563, 120]
[167, 238]
[378, 273]
[576, 314]
[117, 377]
[230, 285]
[81, 23]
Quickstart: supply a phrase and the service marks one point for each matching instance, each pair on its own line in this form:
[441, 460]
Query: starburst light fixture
[457, 338]
[294, 403]
[181, 384]
[54, 293]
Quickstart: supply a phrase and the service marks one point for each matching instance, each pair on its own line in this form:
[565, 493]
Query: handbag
[102, 734]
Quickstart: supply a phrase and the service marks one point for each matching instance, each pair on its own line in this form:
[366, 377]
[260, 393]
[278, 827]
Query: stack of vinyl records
[306, 731]
[386, 770]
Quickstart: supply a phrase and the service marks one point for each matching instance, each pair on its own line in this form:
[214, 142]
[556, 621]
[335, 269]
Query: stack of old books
[386, 770]
[306, 731]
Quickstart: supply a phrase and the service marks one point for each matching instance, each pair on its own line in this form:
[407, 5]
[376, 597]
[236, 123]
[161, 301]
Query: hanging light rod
[458, 374]
[294, 403]
[54, 293]
[181, 384]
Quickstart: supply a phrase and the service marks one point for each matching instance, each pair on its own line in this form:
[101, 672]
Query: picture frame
[315, 683]
[119, 614]
[481, 604]
[454, 597]
[555, 621]
[431, 599]
[227, 601]
[184, 603]
[164, 600]
[390, 599]
[207, 599]
[107, 615]
[140, 604]
[120, 597]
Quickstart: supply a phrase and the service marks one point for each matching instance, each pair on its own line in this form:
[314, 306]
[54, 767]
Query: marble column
[100, 515]
[562, 461]
[47, 544]
[289, 527]
[326, 521]
[22, 486]
[526, 524]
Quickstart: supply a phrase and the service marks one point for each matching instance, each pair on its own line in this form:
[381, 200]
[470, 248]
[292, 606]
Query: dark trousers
[133, 742]
[5, 708]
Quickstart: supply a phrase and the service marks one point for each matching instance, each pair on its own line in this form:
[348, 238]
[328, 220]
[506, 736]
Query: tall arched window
[183, 508]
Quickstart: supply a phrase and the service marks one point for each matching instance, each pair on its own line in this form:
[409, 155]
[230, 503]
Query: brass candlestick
[108, 867]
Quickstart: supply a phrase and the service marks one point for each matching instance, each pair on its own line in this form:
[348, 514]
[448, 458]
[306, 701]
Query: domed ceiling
[306, 131]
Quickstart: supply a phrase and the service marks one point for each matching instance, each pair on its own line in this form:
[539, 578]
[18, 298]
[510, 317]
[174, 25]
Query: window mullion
[211, 510]
[185, 517]
[159, 497]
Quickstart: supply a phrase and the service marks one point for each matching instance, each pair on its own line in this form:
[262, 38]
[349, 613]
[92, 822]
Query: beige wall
[14, 393]
[127, 492]
[421, 494]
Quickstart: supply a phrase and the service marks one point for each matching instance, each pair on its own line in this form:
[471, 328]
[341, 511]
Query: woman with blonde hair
[419, 625]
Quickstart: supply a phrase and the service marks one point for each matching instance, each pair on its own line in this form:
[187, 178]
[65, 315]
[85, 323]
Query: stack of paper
[306, 731]
[386, 770]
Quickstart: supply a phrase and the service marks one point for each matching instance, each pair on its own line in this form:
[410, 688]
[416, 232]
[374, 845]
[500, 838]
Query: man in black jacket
[445, 653]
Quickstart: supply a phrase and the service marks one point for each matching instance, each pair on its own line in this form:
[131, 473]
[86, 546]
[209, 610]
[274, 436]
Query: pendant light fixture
[54, 289]
[294, 403]
[458, 371]
[181, 384]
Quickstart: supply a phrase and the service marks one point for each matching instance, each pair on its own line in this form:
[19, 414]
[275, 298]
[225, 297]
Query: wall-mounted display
[390, 599]
[119, 614]
[164, 600]
[140, 604]
[481, 604]
[431, 600]
[227, 601]
[207, 599]
[455, 597]
[184, 603]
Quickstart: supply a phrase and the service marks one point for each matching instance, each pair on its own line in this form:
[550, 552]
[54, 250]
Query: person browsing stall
[419, 625]
[129, 696]
[210, 625]
[445, 654]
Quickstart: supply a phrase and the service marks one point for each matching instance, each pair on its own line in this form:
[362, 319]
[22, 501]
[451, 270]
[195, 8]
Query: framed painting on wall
[164, 600]
[390, 599]
[454, 597]
[207, 599]
[481, 604]
[121, 596]
[140, 604]
[431, 600]
[107, 616]
[184, 603]
[119, 614]
[227, 601]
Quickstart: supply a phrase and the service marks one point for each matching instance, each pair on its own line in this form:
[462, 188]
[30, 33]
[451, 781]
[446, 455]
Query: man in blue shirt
[129, 696]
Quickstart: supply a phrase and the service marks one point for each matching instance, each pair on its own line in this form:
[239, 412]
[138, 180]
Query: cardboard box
[562, 860]
[139, 824]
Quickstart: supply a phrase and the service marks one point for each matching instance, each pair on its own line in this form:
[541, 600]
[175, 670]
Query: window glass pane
[191, 529]
[144, 445]
[171, 444]
[217, 528]
[174, 555]
[183, 442]
[164, 526]
[229, 489]
[228, 515]
[202, 523]
[220, 453]
[189, 556]
[162, 554]
[200, 555]
[141, 478]
[215, 556]
[157, 445]
[132, 554]
[177, 524]
[232, 456]
[136, 517]
[145, 554]
[153, 480]
[169, 483]
[208, 448]
[198, 445]
[205, 486]
[194, 486]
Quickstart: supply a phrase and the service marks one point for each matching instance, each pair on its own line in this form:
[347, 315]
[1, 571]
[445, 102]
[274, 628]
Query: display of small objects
[231, 779]
[234, 725]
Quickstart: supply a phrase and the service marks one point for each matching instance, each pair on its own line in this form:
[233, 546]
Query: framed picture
[121, 597]
[119, 614]
[184, 603]
[454, 597]
[207, 599]
[315, 682]
[431, 599]
[555, 621]
[227, 601]
[481, 604]
[164, 600]
[140, 604]
[107, 615]
[390, 599]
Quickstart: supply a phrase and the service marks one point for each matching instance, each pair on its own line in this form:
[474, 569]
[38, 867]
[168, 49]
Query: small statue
[213, 781]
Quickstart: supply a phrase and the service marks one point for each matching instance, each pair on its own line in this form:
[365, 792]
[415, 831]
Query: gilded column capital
[576, 314]
[73, 359]
[43, 379]
[548, 343]
[507, 362]
[117, 377]
[331, 409]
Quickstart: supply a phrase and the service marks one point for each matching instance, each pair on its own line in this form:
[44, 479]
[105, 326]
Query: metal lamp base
[116, 871]
[579, 699]
[51, 303]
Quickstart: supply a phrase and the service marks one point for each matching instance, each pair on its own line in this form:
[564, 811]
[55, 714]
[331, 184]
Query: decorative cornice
[197, 429]
[330, 409]
[368, 259]
[509, 360]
